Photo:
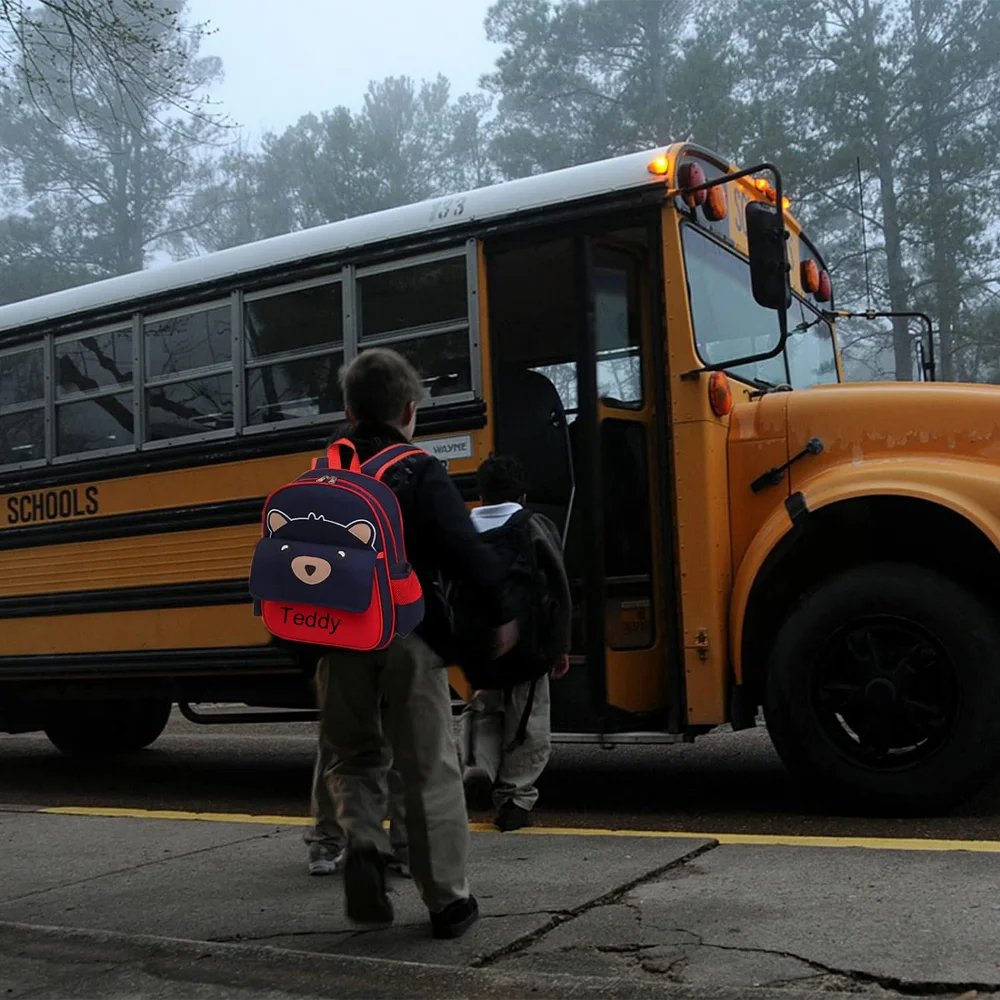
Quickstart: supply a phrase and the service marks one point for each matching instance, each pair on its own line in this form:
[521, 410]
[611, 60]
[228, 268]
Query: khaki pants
[491, 720]
[413, 684]
[326, 828]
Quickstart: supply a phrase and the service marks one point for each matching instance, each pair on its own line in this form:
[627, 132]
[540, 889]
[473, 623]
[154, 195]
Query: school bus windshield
[728, 323]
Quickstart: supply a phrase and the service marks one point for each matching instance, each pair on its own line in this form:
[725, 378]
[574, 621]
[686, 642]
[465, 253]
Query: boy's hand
[561, 667]
[504, 638]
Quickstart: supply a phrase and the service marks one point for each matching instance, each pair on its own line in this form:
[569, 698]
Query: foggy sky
[286, 58]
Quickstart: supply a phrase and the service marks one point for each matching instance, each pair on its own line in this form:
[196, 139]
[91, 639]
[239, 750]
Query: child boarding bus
[652, 338]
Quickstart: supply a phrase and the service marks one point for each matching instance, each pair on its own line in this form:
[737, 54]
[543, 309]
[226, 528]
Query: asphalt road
[724, 782]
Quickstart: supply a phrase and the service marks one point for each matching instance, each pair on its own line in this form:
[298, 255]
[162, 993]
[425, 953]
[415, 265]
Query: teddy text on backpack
[331, 569]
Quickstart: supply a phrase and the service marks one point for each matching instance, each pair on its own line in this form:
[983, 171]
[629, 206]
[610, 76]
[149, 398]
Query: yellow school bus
[652, 336]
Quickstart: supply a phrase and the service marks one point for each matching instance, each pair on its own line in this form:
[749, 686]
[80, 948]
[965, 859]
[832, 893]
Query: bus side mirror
[766, 241]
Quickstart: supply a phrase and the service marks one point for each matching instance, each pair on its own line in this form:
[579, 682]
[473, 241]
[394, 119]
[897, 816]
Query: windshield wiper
[765, 387]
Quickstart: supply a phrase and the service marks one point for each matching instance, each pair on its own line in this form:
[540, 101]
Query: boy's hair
[501, 480]
[378, 384]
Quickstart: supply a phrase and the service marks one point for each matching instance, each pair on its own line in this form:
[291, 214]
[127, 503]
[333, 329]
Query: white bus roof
[497, 201]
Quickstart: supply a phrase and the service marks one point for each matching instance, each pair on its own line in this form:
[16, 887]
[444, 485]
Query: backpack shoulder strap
[380, 463]
[340, 455]
[522, 727]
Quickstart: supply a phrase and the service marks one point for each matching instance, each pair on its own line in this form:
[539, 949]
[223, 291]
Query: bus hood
[938, 442]
[892, 422]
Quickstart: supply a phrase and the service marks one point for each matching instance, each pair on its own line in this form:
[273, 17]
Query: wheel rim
[885, 691]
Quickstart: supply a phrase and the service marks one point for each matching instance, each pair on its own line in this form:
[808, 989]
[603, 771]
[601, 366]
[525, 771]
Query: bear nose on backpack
[310, 569]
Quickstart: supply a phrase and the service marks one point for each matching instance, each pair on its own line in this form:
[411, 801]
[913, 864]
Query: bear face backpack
[331, 569]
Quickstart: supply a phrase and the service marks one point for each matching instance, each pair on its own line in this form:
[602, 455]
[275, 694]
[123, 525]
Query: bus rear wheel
[882, 690]
[86, 729]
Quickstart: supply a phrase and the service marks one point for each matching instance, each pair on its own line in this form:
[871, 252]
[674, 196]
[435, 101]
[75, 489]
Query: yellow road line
[765, 840]
[260, 819]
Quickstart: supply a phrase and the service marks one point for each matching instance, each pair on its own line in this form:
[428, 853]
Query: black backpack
[526, 595]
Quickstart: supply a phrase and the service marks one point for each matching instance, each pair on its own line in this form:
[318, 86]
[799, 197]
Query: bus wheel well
[848, 534]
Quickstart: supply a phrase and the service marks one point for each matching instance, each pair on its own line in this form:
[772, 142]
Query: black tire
[87, 729]
[883, 688]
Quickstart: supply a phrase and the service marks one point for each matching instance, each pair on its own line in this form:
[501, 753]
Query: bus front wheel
[882, 689]
[106, 727]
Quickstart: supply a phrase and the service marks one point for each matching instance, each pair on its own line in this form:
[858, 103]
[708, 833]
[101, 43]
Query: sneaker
[455, 919]
[478, 789]
[511, 817]
[364, 887]
[325, 860]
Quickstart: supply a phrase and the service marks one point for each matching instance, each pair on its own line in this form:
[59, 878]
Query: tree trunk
[943, 271]
[879, 122]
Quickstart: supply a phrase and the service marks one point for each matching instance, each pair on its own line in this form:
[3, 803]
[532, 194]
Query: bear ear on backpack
[276, 521]
[362, 531]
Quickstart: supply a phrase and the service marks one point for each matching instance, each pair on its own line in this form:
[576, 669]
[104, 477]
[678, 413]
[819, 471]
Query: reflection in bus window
[180, 409]
[22, 436]
[296, 321]
[407, 297]
[182, 343]
[94, 424]
[22, 377]
[94, 362]
[728, 322]
[300, 333]
[441, 360]
[289, 390]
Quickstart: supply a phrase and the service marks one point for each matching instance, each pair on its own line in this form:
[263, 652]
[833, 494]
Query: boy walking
[506, 733]
[407, 679]
[325, 838]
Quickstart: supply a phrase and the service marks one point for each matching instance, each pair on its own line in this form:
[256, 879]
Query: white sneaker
[324, 861]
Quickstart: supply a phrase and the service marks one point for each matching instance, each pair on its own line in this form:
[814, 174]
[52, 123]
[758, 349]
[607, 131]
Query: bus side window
[189, 382]
[422, 310]
[93, 376]
[22, 406]
[294, 346]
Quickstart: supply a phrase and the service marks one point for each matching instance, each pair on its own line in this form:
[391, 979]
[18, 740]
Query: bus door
[570, 331]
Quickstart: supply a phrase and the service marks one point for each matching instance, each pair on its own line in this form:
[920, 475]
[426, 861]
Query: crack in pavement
[615, 895]
[132, 868]
[355, 932]
[906, 987]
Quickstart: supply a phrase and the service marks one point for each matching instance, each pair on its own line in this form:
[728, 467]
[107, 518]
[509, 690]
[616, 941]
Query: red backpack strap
[379, 464]
[341, 455]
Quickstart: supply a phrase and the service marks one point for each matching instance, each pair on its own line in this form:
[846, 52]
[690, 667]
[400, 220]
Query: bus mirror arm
[928, 363]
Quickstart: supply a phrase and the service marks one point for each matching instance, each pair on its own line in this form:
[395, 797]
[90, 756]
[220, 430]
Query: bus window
[294, 348]
[193, 340]
[420, 309]
[92, 412]
[728, 323]
[189, 382]
[619, 359]
[407, 297]
[95, 361]
[442, 360]
[94, 424]
[22, 396]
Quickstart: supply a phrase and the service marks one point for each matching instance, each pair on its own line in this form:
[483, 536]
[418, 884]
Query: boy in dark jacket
[499, 762]
[381, 393]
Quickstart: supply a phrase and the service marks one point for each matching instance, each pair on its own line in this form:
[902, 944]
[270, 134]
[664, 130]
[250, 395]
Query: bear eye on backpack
[331, 569]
